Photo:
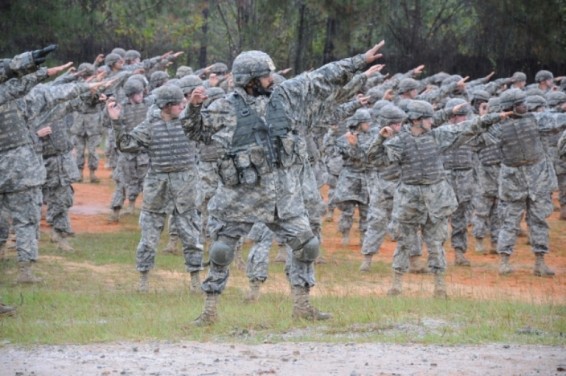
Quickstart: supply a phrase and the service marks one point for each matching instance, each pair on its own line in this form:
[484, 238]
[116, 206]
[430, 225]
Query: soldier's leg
[331, 182]
[483, 206]
[363, 211]
[379, 214]
[92, 143]
[59, 199]
[434, 235]
[171, 246]
[151, 225]
[257, 267]
[459, 234]
[562, 194]
[80, 147]
[406, 239]
[25, 209]
[494, 224]
[118, 197]
[188, 227]
[510, 213]
[537, 212]
[346, 220]
[4, 229]
[300, 271]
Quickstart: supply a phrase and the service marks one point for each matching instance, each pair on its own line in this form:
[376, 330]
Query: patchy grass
[90, 296]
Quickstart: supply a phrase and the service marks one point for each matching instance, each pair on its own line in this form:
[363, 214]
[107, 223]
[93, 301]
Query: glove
[39, 56]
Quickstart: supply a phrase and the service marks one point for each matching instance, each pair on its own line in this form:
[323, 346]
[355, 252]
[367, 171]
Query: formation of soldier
[226, 155]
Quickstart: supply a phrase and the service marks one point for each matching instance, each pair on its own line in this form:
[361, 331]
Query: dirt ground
[481, 281]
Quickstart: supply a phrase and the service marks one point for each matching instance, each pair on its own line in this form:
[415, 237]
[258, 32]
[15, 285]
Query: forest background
[467, 37]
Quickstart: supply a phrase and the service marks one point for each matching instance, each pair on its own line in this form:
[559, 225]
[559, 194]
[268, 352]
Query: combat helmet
[391, 114]
[510, 98]
[190, 83]
[534, 102]
[555, 98]
[362, 115]
[418, 109]
[168, 94]
[133, 86]
[543, 75]
[249, 65]
[465, 110]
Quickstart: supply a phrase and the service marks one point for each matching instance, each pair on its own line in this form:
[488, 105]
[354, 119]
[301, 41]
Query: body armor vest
[58, 141]
[422, 162]
[520, 142]
[459, 158]
[13, 130]
[133, 114]
[390, 173]
[490, 155]
[169, 150]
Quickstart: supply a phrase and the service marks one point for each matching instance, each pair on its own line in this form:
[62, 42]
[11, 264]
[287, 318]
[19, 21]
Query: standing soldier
[170, 184]
[262, 164]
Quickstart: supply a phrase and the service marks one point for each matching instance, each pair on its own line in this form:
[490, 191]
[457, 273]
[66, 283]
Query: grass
[89, 296]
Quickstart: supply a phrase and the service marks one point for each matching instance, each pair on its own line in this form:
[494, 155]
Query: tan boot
[541, 269]
[366, 264]
[460, 259]
[302, 308]
[114, 217]
[195, 283]
[562, 213]
[93, 178]
[439, 286]
[6, 310]
[480, 247]
[144, 282]
[130, 209]
[396, 284]
[281, 254]
[504, 266]
[416, 266]
[63, 245]
[26, 274]
[493, 249]
[209, 313]
[253, 293]
[55, 236]
[171, 246]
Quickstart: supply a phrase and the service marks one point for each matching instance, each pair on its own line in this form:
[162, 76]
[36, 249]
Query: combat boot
[130, 209]
[415, 265]
[114, 217]
[195, 283]
[253, 293]
[6, 310]
[171, 246]
[396, 285]
[480, 247]
[302, 308]
[144, 282]
[93, 178]
[460, 259]
[504, 266]
[366, 264]
[2, 251]
[55, 236]
[281, 254]
[26, 274]
[439, 286]
[63, 245]
[209, 313]
[563, 213]
[493, 249]
[541, 269]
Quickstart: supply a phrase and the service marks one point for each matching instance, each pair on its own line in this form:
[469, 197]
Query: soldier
[518, 80]
[21, 170]
[131, 168]
[352, 188]
[24, 63]
[526, 180]
[544, 81]
[262, 164]
[424, 199]
[459, 163]
[557, 104]
[381, 198]
[170, 184]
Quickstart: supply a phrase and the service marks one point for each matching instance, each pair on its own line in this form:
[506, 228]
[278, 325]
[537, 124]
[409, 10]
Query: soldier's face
[174, 110]
[426, 123]
[396, 126]
[266, 82]
[137, 98]
[520, 109]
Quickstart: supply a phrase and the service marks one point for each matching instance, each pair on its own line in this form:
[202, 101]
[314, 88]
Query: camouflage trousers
[331, 181]
[510, 213]
[433, 235]
[459, 226]
[187, 225]
[5, 223]
[111, 151]
[58, 200]
[379, 220]
[561, 189]
[89, 144]
[129, 176]
[258, 258]
[486, 218]
[24, 207]
[347, 209]
[294, 231]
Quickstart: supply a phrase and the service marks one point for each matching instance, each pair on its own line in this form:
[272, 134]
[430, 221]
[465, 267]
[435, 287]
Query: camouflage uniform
[22, 171]
[268, 191]
[170, 186]
[258, 257]
[334, 163]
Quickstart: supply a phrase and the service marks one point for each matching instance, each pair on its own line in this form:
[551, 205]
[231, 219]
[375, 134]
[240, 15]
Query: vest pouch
[242, 160]
[248, 176]
[287, 152]
[228, 172]
[257, 157]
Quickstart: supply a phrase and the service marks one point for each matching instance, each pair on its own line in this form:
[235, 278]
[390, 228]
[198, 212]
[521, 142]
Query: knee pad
[221, 253]
[309, 251]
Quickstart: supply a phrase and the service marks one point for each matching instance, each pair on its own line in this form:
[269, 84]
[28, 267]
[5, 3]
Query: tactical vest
[390, 173]
[169, 150]
[13, 130]
[520, 142]
[133, 114]
[490, 155]
[58, 141]
[422, 162]
[210, 153]
[459, 158]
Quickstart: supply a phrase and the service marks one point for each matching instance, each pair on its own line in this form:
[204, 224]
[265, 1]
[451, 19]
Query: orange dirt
[481, 281]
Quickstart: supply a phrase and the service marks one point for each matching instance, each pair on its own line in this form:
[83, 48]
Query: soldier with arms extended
[260, 170]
